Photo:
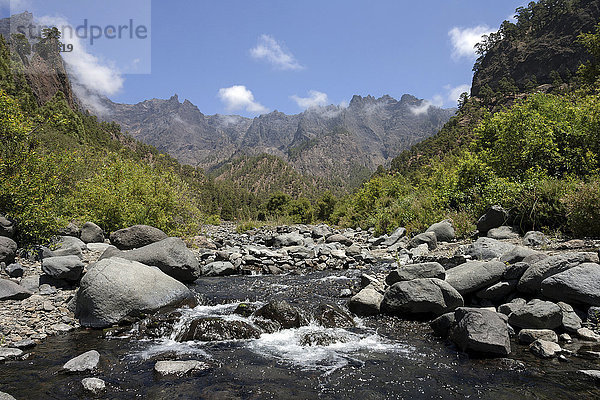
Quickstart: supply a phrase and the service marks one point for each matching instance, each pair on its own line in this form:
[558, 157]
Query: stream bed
[381, 358]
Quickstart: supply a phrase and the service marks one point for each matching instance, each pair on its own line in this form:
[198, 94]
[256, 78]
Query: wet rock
[8, 250]
[534, 238]
[136, 236]
[366, 302]
[68, 268]
[15, 270]
[7, 227]
[570, 320]
[421, 297]
[209, 329]
[24, 344]
[528, 336]
[321, 338]
[593, 315]
[495, 217]
[475, 275]
[11, 291]
[332, 316]
[588, 334]
[245, 309]
[544, 349]
[6, 396]
[565, 337]
[9, 353]
[444, 231]
[537, 314]
[170, 255]
[219, 268]
[115, 289]
[338, 238]
[416, 271]
[503, 233]
[282, 312]
[179, 368]
[93, 385]
[579, 285]
[498, 292]
[486, 249]
[481, 331]
[87, 361]
[531, 281]
[443, 324]
[91, 233]
[428, 238]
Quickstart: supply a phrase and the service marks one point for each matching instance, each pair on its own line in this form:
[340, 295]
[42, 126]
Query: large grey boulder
[366, 302]
[517, 254]
[66, 246]
[528, 336]
[288, 240]
[394, 237]
[502, 233]
[498, 291]
[475, 275]
[570, 320]
[115, 289]
[211, 329]
[339, 238]
[11, 291]
[219, 268]
[91, 233]
[283, 313]
[536, 314]
[531, 281]
[68, 268]
[87, 361]
[169, 255]
[481, 331]
[442, 325]
[421, 297]
[179, 368]
[416, 271]
[428, 238]
[70, 230]
[495, 217]
[7, 227]
[544, 348]
[8, 250]
[136, 236]
[534, 238]
[444, 231]
[486, 249]
[579, 285]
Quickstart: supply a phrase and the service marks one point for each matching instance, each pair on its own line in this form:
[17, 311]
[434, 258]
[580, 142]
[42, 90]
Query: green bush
[582, 209]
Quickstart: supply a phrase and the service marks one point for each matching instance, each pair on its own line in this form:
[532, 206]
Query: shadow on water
[383, 358]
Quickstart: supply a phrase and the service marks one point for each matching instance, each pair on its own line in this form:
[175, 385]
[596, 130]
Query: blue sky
[248, 57]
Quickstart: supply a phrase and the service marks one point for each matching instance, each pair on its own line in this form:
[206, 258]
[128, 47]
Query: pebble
[93, 385]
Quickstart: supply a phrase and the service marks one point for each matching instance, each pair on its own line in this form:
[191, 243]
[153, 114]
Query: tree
[590, 71]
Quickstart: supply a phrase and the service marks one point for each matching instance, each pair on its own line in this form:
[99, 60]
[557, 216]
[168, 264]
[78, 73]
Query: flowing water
[381, 358]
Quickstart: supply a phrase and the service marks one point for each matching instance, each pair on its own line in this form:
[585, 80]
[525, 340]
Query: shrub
[582, 207]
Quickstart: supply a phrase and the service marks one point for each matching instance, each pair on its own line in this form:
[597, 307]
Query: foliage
[582, 206]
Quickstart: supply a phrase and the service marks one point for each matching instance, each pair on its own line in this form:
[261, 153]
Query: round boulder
[427, 296]
[8, 250]
[444, 231]
[136, 236]
[91, 233]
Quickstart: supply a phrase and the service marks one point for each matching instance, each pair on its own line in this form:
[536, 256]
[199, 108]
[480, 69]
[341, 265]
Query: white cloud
[450, 99]
[315, 99]
[272, 51]
[238, 97]
[455, 92]
[464, 40]
[90, 76]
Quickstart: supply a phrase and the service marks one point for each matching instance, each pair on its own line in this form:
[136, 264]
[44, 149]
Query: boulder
[503, 233]
[179, 368]
[366, 302]
[444, 231]
[332, 316]
[591, 374]
[8, 250]
[116, 289]
[588, 334]
[91, 233]
[579, 285]
[210, 329]
[338, 238]
[416, 271]
[536, 314]
[219, 268]
[428, 238]
[66, 246]
[544, 348]
[570, 320]
[322, 338]
[517, 254]
[495, 217]
[486, 249]
[508, 308]
[429, 296]
[282, 312]
[475, 275]
[136, 236]
[481, 331]
[394, 237]
[515, 271]
[528, 336]
[94, 386]
[531, 281]
[320, 231]
[15, 270]
[87, 361]
[498, 292]
[288, 239]
[10, 353]
[7, 227]
[442, 325]
[169, 255]
[68, 268]
[534, 238]
[70, 230]
[6, 396]
[11, 291]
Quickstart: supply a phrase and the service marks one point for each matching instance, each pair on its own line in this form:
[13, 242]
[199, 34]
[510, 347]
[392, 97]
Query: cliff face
[329, 142]
[542, 43]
